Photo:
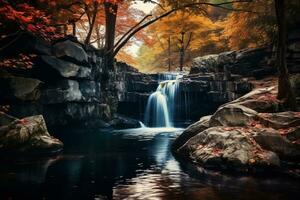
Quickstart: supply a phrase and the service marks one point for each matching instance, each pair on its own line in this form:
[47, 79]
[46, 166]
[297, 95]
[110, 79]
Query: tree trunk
[110, 29]
[98, 36]
[285, 91]
[74, 28]
[92, 24]
[181, 52]
[169, 53]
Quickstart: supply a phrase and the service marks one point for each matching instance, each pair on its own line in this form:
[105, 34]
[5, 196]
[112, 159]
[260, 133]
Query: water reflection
[132, 164]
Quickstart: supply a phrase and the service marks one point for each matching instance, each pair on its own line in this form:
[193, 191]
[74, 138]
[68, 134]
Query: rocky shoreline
[251, 133]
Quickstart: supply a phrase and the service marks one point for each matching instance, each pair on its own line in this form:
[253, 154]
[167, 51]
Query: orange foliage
[26, 18]
[20, 61]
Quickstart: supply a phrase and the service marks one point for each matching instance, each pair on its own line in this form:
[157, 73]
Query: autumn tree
[189, 35]
[253, 28]
[18, 17]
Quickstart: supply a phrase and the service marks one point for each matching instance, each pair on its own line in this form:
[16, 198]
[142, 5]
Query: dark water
[129, 165]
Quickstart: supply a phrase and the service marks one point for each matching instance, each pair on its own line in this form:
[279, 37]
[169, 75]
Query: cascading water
[161, 103]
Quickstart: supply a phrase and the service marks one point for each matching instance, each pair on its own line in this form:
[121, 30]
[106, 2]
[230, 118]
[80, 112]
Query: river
[129, 164]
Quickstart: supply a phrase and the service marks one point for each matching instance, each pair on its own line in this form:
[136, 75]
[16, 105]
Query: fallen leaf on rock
[228, 128]
[252, 161]
[23, 121]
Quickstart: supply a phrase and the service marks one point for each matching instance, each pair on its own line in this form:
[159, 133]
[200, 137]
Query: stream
[129, 164]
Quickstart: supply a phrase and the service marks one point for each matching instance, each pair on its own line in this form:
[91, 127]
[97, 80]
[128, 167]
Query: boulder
[67, 69]
[260, 100]
[228, 148]
[205, 64]
[191, 131]
[26, 135]
[64, 91]
[282, 120]
[20, 88]
[120, 122]
[272, 140]
[6, 119]
[70, 50]
[233, 115]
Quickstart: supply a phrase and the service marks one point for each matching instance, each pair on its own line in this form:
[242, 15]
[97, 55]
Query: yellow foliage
[204, 40]
[250, 29]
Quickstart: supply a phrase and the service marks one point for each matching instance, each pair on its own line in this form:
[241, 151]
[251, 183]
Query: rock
[74, 113]
[26, 135]
[70, 50]
[272, 140]
[246, 62]
[124, 123]
[20, 88]
[293, 134]
[64, 91]
[260, 100]
[67, 69]
[204, 64]
[281, 120]
[6, 119]
[233, 115]
[191, 131]
[228, 148]
[90, 90]
[260, 105]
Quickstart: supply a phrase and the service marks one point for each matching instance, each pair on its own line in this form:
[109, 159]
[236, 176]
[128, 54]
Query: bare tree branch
[135, 26]
[137, 29]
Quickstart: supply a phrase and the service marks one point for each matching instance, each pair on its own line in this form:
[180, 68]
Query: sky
[146, 8]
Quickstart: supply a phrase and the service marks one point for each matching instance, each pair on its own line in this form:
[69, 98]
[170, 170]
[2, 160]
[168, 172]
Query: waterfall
[161, 103]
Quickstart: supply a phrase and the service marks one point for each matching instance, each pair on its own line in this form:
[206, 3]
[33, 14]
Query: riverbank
[252, 133]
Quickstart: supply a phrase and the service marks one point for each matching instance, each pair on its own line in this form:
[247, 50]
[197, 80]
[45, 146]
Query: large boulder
[70, 50]
[260, 100]
[282, 120]
[247, 133]
[120, 122]
[191, 131]
[273, 140]
[233, 115]
[20, 88]
[204, 64]
[228, 148]
[67, 69]
[26, 135]
[64, 91]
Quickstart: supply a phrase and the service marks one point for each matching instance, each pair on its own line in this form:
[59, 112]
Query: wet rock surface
[207, 89]
[27, 135]
[65, 85]
[241, 136]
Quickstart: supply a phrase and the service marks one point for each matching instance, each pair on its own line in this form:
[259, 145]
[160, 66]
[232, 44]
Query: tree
[201, 36]
[18, 18]
[250, 29]
[285, 91]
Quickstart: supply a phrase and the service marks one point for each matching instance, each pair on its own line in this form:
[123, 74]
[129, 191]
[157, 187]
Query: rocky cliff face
[256, 63]
[196, 95]
[66, 84]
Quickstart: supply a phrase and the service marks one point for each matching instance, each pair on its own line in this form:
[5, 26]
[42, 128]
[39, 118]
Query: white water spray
[160, 106]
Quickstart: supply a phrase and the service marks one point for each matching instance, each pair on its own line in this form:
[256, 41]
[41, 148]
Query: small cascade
[161, 103]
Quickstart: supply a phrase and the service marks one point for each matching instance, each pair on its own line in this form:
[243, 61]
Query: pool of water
[129, 164]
